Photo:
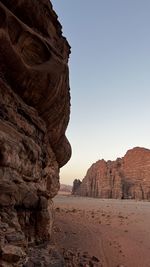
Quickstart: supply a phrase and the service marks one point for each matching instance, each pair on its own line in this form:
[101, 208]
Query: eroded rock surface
[127, 177]
[34, 113]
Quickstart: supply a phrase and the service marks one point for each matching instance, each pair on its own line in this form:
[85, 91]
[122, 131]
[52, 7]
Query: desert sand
[114, 233]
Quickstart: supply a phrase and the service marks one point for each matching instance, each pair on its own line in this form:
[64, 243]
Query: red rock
[34, 114]
[12, 253]
[127, 177]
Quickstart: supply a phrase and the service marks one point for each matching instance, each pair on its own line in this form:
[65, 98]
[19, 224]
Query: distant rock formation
[76, 186]
[65, 188]
[34, 113]
[127, 177]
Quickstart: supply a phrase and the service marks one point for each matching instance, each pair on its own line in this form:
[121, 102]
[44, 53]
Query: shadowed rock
[34, 114]
[76, 186]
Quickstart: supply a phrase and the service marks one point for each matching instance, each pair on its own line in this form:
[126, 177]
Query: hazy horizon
[109, 79]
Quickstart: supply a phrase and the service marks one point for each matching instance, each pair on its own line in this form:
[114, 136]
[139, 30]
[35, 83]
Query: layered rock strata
[127, 177]
[34, 113]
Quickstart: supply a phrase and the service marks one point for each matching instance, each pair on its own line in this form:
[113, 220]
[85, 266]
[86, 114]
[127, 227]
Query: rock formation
[76, 186]
[65, 188]
[127, 177]
[34, 113]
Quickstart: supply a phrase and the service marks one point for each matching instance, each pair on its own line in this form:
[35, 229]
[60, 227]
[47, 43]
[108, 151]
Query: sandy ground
[117, 232]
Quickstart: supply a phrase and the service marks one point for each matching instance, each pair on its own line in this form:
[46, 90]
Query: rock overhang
[34, 58]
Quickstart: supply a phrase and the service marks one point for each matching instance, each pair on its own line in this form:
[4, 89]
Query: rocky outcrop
[76, 186]
[127, 177]
[34, 113]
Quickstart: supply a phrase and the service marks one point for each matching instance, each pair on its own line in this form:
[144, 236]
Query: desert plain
[103, 232]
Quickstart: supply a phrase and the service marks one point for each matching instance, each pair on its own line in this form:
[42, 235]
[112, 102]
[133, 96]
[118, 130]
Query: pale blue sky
[109, 79]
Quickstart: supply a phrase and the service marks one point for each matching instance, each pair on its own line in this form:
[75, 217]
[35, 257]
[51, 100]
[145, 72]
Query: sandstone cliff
[34, 113]
[127, 177]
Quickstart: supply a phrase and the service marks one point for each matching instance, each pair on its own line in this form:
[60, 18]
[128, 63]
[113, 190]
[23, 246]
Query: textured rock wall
[34, 113]
[127, 177]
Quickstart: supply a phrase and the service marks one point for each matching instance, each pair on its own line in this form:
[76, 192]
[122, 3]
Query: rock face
[127, 177]
[76, 186]
[34, 113]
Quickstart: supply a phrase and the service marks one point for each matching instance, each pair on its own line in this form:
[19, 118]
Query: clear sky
[109, 79]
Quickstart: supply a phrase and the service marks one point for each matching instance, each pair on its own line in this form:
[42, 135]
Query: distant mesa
[124, 178]
[65, 189]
